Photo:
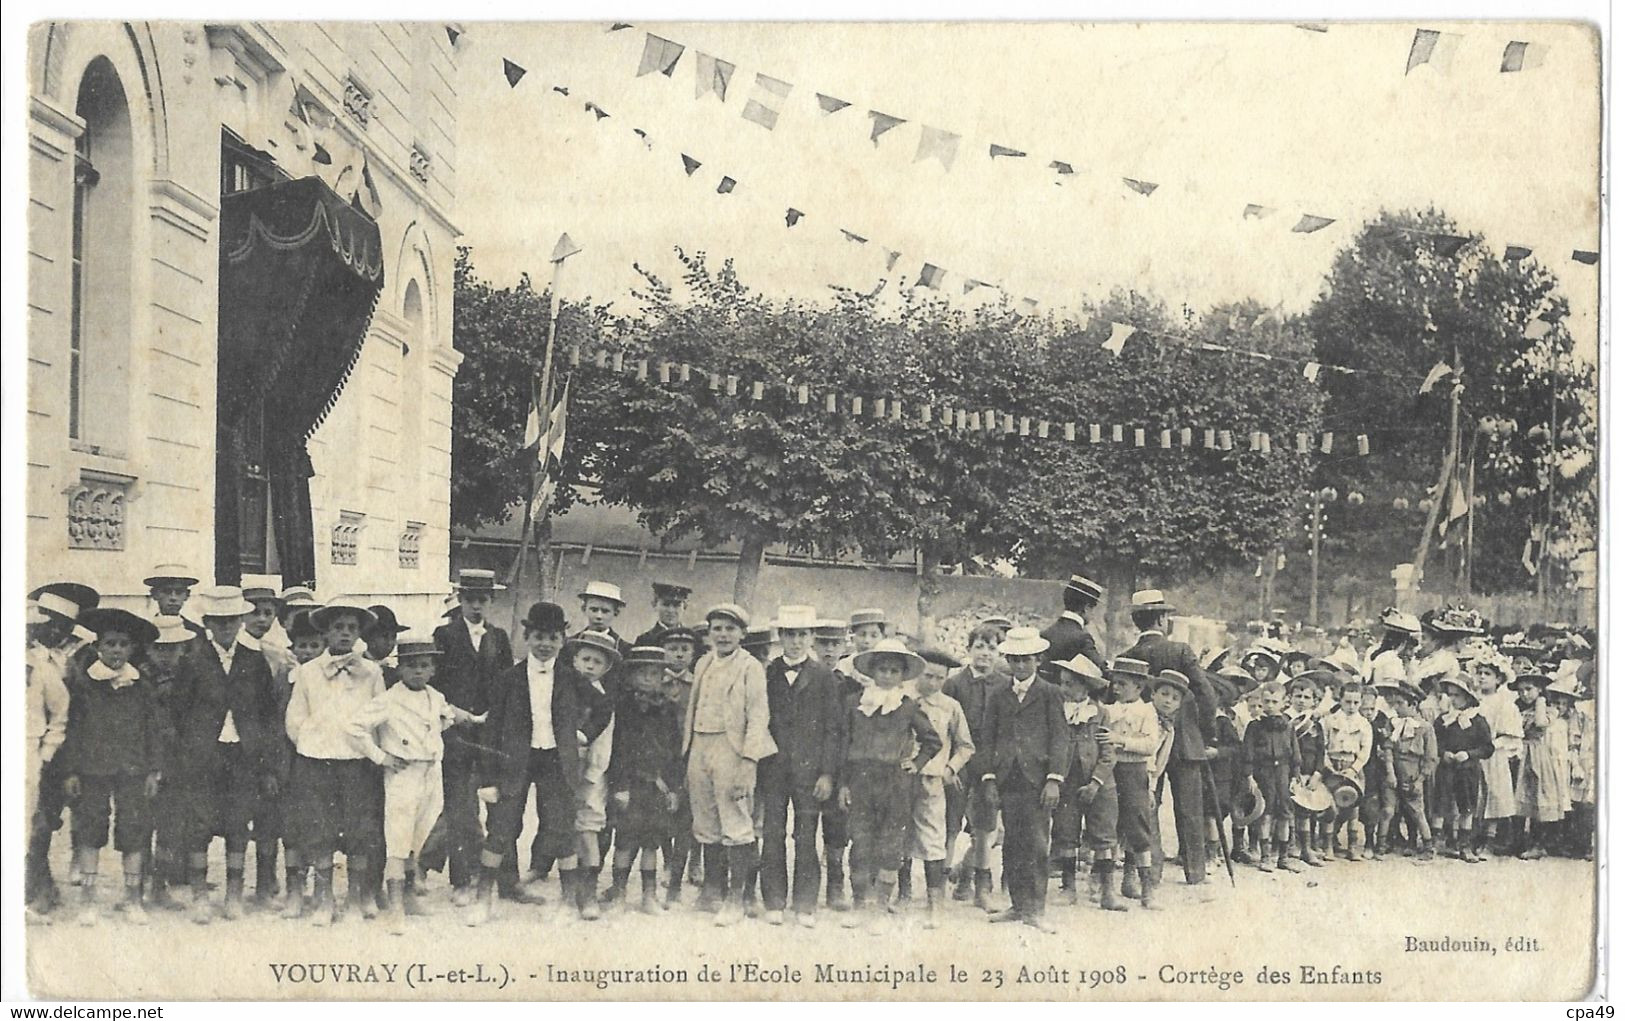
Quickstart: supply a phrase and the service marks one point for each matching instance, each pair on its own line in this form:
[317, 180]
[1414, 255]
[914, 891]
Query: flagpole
[1452, 453]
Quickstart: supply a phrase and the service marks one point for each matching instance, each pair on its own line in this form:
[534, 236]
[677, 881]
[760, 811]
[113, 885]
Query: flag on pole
[659, 55]
[563, 249]
[1121, 332]
[711, 76]
[1432, 47]
[883, 122]
[770, 95]
[1456, 503]
[792, 217]
[1435, 374]
[453, 30]
[550, 456]
[937, 144]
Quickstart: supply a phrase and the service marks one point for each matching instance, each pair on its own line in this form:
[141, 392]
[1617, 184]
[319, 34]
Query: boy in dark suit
[1193, 731]
[669, 601]
[1029, 749]
[804, 719]
[974, 687]
[1069, 636]
[474, 652]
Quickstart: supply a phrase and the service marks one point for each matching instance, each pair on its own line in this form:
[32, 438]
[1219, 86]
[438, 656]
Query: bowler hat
[105, 618]
[544, 616]
[301, 626]
[913, 663]
[474, 579]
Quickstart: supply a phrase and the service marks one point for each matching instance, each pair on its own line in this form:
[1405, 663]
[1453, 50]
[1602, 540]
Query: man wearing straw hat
[474, 652]
[1069, 636]
[170, 586]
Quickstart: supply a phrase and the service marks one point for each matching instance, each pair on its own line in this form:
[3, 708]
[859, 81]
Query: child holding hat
[332, 801]
[879, 763]
[1310, 737]
[1029, 751]
[1464, 740]
[112, 754]
[400, 730]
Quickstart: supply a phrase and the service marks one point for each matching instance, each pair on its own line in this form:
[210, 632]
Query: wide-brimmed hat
[997, 620]
[1264, 654]
[474, 579]
[416, 643]
[1451, 684]
[1084, 587]
[106, 618]
[796, 618]
[1084, 668]
[220, 601]
[262, 587]
[671, 590]
[1567, 687]
[1216, 660]
[65, 599]
[298, 595]
[1312, 797]
[680, 633]
[1225, 691]
[1518, 644]
[1149, 599]
[913, 663]
[757, 638]
[338, 606]
[1346, 788]
[384, 621]
[733, 611]
[172, 630]
[603, 641]
[1544, 680]
[169, 574]
[829, 628]
[1248, 807]
[1023, 641]
[301, 626]
[1386, 688]
[1127, 668]
[1172, 679]
[544, 616]
[645, 655]
[602, 590]
[868, 615]
[1239, 679]
[1314, 680]
[1455, 621]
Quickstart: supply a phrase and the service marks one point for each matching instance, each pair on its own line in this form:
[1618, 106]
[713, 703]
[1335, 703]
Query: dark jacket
[1029, 739]
[974, 695]
[1267, 747]
[887, 738]
[1310, 738]
[1067, 638]
[1194, 729]
[648, 745]
[1474, 739]
[805, 721]
[464, 675]
[110, 732]
[505, 757]
[204, 693]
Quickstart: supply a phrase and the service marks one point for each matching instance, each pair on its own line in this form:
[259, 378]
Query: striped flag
[549, 455]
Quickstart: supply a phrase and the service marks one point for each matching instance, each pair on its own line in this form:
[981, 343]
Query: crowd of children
[814, 777]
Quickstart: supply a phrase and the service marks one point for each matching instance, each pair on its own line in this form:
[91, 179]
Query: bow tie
[1459, 717]
[1080, 712]
[350, 662]
[882, 700]
[123, 677]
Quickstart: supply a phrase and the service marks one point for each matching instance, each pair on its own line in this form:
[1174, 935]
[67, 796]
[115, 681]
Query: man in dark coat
[1028, 753]
[805, 714]
[1069, 636]
[474, 652]
[670, 599]
[1194, 732]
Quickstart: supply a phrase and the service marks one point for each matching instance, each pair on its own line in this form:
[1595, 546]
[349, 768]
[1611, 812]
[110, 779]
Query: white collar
[797, 665]
[123, 676]
[1152, 631]
[1071, 615]
[544, 665]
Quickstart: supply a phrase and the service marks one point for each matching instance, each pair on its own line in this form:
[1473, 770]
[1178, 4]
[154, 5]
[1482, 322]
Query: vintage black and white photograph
[815, 510]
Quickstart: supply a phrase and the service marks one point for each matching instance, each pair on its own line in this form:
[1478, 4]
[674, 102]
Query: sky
[1218, 115]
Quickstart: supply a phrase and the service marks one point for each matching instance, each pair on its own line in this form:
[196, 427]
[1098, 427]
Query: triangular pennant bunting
[1063, 169]
[659, 55]
[829, 104]
[1432, 47]
[792, 217]
[619, 26]
[854, 237]
[764, 109]
[725, 185]
[690, 164]
[892, 255]
[561, 90]
[930, 276]
[1448, 244]
[643, 136]
[1143, 187]
[939, 145]
[1027, 306]
[1255, 212]
[711, 76]
[511, 71]
[452, 32]
[883, 122]
[1312, 26]
[597, 111]
[971, 285]
[995, 151]
[1308, 224]
[1434, 375]
[1587, 258]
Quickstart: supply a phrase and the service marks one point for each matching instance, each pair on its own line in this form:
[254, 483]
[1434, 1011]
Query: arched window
[103, 218]
[414, 348]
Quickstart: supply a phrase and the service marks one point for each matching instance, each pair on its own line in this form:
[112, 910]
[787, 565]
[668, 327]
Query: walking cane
[1218, 823]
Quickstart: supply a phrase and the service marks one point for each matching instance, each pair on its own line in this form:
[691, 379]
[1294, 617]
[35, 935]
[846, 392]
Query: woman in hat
[1464, 740]
[1543, 781]
[112, 754]
[1390, 660]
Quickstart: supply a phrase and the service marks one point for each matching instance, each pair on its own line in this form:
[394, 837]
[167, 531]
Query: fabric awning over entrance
[300, 272]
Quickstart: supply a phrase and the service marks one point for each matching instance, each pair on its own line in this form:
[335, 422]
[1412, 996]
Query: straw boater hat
[830, 628]
[1023, 641]
[105, 618]
[220, 601]
[65, 599]
[298, 595]
[997, 620]
[602, 590]
[1346, 788]
[913, 663]
[338, 606]
[169, 574]
[1149, 599]
[868, 615]
[1127, 668]
[1172, 679]
[733, 611]
[262, 587]
[473, 579]
[416, 643]
[172, 630]
[1083, 667]
[600, 640]
[671, 590]
[1086, 588]
[1447, 685]
[757, 638]
[1312, 797]
[1248, 807]
[796, 618]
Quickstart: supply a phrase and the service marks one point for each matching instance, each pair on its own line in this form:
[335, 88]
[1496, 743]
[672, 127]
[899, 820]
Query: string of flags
[949, 413]
[935, 277]
[714, 76]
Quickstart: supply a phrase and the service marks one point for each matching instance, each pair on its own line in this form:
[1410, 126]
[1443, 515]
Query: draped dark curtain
[300, 272]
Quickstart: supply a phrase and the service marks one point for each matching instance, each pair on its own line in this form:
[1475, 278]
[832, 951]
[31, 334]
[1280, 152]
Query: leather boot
[835, 896]
[715, 888]
[587, 895]
[1132, 876]
[1108, 888]
[1069, 881]
[740, 870]
[411, 903]
[905, 882]
[650, 905]
[485, 897]
[964, 882]
[1148, 887]
[202, 910]
[616, 893]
